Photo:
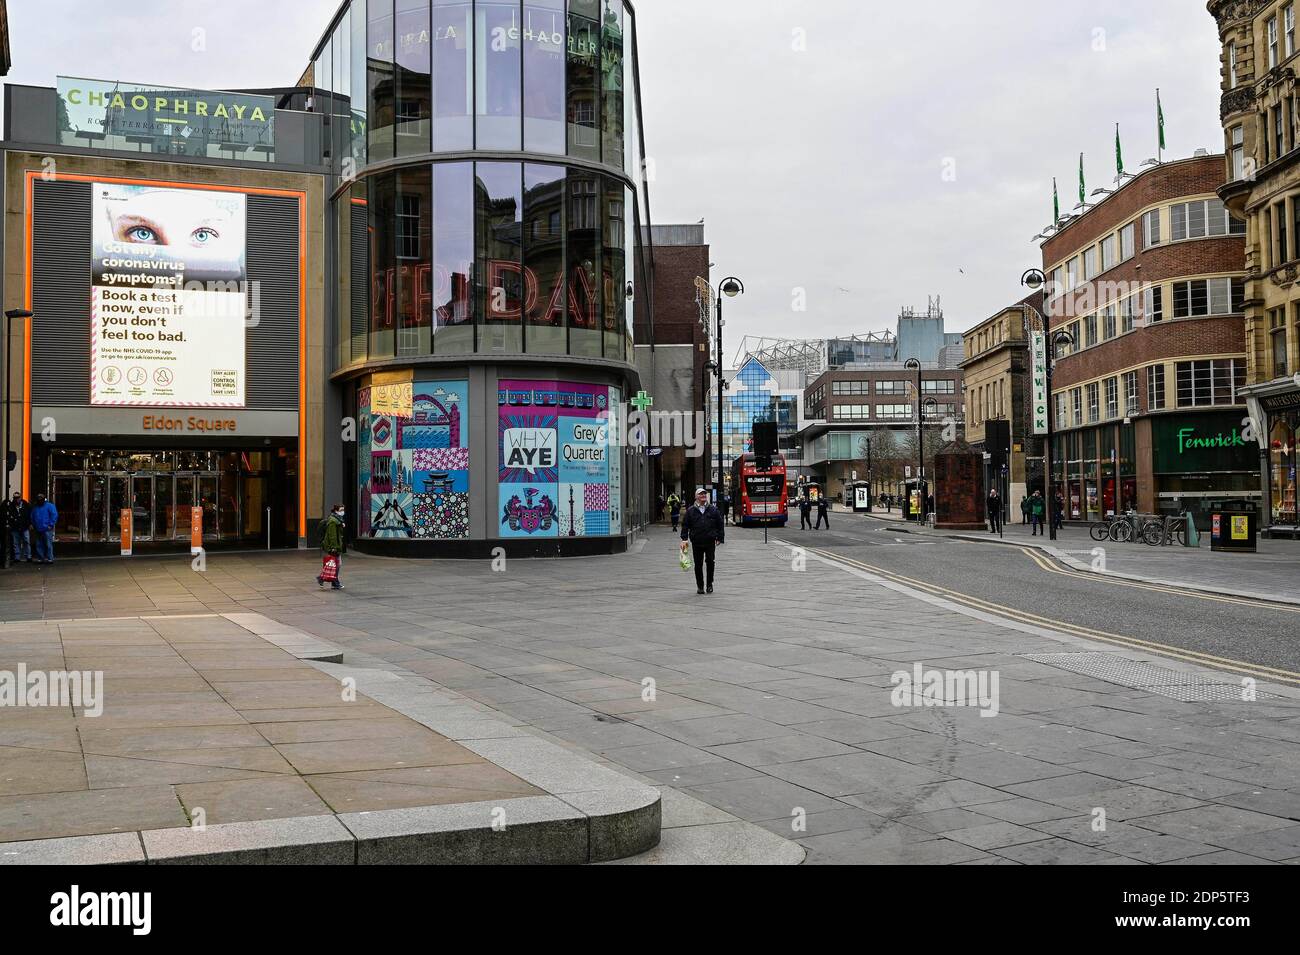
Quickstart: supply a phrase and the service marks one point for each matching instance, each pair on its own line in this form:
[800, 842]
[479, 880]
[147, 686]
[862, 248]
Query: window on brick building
[1092, 402]
[1108, 253]
[1076, 398]
[1090, 330]
[1236, 152]
[1090, 264]
[1201, 218]
[1272, 42]
[1126, 243]
[1112, 397]
[1126, 310]
[1108, 322]
[1153, 309]
[1155, 387]
[1200, 297]
[1131, 393]
[1211, 381]
[1150, 228]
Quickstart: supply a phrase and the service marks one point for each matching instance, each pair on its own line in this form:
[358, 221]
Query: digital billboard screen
[167, 298]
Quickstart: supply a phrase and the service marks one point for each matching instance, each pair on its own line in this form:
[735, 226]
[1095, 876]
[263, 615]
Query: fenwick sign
[1038, 355]
[1202, 442]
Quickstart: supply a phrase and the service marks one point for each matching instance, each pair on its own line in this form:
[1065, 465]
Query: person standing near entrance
[45, 517]
[1024, 509]
[823, 511]
[1058, 512]
[675, 508]
[331, 542]
[704, 528]
[1036, 508]
[994, 506]
[18, 517]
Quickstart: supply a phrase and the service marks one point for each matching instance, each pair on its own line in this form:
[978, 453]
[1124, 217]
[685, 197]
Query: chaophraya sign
[167, 297]
[113, 115]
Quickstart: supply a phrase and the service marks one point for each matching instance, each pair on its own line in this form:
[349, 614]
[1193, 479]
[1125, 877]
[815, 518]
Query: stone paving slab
[283, 763]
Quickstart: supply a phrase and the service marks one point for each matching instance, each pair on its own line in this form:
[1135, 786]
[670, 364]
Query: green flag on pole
[1056, 204]
[1160, 121]
[1119, 155]
[1082, 188]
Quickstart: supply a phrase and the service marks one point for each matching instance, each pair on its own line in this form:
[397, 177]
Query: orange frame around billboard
[33, 174]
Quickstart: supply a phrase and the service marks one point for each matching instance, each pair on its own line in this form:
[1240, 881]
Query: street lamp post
[1034, 279]
[913, 364]
[730, 287]
[10, 315]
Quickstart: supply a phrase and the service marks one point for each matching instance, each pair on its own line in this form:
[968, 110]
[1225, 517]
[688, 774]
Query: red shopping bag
[329, 568]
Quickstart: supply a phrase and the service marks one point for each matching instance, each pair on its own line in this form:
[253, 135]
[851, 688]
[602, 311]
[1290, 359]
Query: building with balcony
[1148, 402]
[1260, 110]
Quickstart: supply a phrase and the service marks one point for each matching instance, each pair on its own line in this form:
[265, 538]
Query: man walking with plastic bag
[704, 529]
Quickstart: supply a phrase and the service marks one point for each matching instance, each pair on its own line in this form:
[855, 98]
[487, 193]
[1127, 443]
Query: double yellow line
[1047, 564]
[1270, 674]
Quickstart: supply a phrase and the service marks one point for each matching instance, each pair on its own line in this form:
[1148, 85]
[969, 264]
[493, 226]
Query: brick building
[1147, 404]
[997, 387]
[673, 352]
[1260, 111]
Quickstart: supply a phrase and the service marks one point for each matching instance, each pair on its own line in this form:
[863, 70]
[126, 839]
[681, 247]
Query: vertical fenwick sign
[1038, 355]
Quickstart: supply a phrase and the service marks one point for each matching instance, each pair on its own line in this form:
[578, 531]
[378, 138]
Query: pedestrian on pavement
[725, 504]
[805, 513]
[332, 543]
[1024, 509]
[705, 530]
[45, 517]
[675, 508]
[994, 511]
[1036, 506]
[659, 507]
[1058, 512]
[823, 510]
[18, 518]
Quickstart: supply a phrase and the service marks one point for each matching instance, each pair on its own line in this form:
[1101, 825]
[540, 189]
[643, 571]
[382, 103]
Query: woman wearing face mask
[331, 542]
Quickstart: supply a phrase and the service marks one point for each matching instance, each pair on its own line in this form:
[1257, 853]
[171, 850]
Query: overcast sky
[867, 153]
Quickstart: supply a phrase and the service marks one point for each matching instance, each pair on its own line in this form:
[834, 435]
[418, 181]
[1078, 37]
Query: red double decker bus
[758, 496]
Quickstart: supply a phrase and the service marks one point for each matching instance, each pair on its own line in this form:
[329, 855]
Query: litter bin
[1234, 526]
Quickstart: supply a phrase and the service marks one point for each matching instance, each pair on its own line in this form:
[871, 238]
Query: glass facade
[491, 256]
[465, 231]
[754, 394]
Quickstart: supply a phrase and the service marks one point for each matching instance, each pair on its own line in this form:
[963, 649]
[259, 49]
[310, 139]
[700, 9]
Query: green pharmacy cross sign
[641, 402]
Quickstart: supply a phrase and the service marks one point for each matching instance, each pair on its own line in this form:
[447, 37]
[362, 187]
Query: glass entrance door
[210, 503]
[142, 495]
[118, 500]
[184, 501]
[68, 495]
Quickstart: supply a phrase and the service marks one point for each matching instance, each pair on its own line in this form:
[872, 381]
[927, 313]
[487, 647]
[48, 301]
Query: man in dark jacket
[18, 518]
[805, 513]
[703, 527]
[994, 506]
[823, 512]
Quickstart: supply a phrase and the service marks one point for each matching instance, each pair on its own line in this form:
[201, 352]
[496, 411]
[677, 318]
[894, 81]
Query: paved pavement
[1273, 572]
[771, 700]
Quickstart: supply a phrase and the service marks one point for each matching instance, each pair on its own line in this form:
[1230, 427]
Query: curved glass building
[486, 223]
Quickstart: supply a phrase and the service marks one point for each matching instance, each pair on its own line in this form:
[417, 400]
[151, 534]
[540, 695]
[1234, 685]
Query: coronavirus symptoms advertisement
[167, 297]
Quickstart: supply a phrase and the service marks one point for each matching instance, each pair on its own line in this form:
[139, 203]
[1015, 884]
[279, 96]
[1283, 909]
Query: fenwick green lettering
[1220, 440]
